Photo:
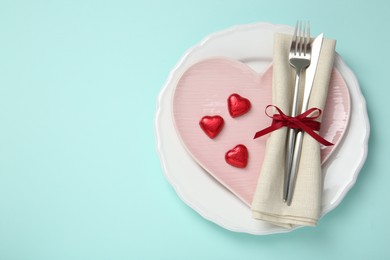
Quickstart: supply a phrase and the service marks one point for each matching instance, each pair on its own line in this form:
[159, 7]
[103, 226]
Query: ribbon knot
[303, 122]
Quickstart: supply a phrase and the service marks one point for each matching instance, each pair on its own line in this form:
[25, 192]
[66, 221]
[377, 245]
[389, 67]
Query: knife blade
[309, 80]
[311, 70]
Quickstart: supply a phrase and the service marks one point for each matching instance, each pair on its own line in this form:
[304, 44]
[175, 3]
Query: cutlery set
[303, 57]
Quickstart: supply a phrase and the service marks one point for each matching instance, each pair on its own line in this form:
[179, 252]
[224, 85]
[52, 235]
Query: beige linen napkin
[267, 203]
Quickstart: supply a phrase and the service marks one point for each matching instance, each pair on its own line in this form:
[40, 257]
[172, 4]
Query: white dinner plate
[251, 44]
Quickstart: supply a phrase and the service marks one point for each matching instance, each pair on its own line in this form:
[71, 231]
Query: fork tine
[294, 39]
[308, 33]
[298, 40]
[304, 39]
[307, 37]
[301, 41]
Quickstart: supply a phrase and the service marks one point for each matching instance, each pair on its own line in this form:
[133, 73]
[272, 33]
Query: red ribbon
[302, 122]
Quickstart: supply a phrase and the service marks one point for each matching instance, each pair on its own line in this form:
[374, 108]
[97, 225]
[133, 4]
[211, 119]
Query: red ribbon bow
[302, 122]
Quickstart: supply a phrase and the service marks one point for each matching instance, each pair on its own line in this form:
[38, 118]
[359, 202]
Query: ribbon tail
[317, 137]
[267, 130]
[263, 132]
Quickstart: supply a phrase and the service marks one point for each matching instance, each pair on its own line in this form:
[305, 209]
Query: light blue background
[80, 176]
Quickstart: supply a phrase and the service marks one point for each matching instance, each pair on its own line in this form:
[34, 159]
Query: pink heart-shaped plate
[203, 90]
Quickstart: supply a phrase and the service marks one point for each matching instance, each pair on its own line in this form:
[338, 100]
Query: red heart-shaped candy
[238, 105]
[238, 156]
[211, 125]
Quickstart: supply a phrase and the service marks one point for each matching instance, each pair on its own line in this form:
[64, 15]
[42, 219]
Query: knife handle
[291, 136]
[294, 166]
[289, 157]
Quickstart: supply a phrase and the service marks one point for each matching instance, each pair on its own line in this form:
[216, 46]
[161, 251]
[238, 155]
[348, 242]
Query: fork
[299, 58]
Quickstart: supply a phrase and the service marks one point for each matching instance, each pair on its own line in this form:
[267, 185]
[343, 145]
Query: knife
[310, 74]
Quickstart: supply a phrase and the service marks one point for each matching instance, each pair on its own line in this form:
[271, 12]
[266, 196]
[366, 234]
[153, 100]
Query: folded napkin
[267, 203]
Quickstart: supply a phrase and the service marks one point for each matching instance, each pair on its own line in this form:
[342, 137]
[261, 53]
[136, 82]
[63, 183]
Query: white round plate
[251, 44]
